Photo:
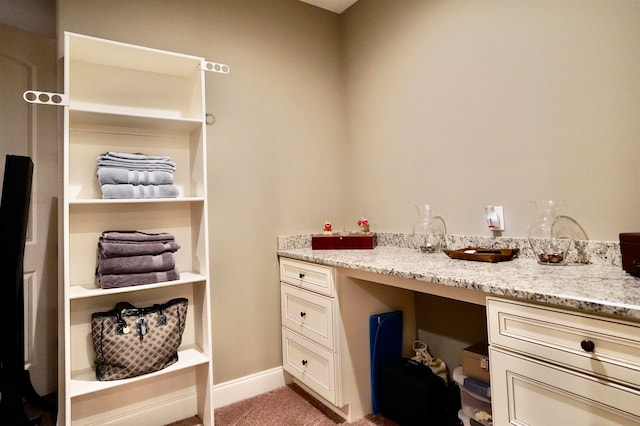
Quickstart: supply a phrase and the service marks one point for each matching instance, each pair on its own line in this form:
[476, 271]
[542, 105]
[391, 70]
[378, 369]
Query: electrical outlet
[494, 215]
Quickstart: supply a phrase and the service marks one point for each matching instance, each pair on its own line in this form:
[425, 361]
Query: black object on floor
[15, 383]
[411, 394]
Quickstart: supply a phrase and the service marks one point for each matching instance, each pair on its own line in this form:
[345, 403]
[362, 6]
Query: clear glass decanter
[428, 231]
[549, 246]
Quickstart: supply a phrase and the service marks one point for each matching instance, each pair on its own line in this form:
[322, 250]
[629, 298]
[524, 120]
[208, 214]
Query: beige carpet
[288, 405]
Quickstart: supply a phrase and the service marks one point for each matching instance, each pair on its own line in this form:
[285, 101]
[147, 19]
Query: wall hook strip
[215, 67]
[45, 98]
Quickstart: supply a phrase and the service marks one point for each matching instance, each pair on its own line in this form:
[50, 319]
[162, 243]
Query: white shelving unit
[125, 98]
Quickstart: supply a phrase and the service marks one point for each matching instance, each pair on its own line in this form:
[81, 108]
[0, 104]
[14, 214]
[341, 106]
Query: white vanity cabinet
[310, 327]
[125, 98]
[554, 366]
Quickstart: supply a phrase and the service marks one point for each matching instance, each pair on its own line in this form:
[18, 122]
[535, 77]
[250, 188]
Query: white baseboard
[245, 387]
[183, 403]
[155, 411]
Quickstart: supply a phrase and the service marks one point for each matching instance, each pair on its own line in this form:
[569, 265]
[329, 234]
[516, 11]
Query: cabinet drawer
[310, 363]
[559, 336]
[307, 275]
[309, 314]
[529, 392]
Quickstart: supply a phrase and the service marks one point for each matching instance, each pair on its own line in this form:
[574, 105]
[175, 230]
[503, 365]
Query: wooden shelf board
[85, 382]
[91, 289]
[101, 201]
[89, 114]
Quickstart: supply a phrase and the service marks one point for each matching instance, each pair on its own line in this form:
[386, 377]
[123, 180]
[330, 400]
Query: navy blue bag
[411, 394]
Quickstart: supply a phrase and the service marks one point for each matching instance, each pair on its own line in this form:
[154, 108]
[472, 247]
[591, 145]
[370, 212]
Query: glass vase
[549, 246]
[428, 231]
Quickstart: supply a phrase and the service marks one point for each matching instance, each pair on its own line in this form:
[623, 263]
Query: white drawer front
[309, 314]
[310, 363]
[558, 336]
[528, 392]
[313, 277]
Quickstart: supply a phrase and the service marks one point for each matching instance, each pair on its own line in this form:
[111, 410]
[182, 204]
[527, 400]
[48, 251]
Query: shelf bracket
[45, 98]
[214, 67]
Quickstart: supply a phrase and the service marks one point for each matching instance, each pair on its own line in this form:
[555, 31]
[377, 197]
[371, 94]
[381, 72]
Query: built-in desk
[370, 281]
[593, 288]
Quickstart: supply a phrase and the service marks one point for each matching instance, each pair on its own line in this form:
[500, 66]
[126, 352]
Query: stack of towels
[128, 258]
[126, 175]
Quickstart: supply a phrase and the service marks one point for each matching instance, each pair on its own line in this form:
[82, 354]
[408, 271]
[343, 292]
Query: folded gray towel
[133, 156]
[115, 175]
[127, 191]
[136, 264]
[129, 248]
[136, 236]
[137, 165]
[135, 161]
[127, 280]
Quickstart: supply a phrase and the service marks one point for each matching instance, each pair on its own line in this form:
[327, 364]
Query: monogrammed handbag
[130, 341]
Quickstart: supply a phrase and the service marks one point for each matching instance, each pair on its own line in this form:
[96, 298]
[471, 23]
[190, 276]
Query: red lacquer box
[630, 250]
[343, 241]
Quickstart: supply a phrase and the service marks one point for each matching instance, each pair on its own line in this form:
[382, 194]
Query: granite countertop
[597, 288]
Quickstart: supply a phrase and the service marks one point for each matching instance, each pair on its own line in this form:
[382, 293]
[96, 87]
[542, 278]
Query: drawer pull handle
[587, 345]
[303, 314]
[304, 362]
[301, 275]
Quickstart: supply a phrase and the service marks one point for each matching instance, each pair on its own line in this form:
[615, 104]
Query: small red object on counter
[630, 250]
[343, 242]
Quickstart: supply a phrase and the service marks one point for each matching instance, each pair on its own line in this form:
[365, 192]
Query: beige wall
[276, 151]
[456, 103]
[464, 103]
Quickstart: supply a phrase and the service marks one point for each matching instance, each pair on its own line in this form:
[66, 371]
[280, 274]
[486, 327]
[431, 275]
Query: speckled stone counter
[599, 287]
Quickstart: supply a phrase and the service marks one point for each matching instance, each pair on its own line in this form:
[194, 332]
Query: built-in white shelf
[125, 98]
[84, 381]
[92, 289]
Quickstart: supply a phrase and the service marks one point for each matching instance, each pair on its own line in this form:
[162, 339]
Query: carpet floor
[288, 405]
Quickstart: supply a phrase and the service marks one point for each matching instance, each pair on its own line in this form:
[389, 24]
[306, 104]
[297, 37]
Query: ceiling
[337, 6]
[39, 15]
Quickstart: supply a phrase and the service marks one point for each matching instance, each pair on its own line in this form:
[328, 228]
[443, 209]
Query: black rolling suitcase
[411, 394]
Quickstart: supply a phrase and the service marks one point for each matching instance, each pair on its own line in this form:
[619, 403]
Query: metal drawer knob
[587, 345]
[304, 362]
